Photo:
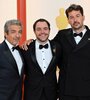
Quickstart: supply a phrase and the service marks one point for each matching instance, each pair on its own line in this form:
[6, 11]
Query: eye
[71, 17]
[38, 29]
[78, 15]
[20, 32]
[46, 28]
[12, 31]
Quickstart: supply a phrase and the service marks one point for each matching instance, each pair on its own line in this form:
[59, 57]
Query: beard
[42, 40]
[77, 26]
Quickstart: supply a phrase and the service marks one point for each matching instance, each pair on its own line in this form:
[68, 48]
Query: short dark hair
[41, 20]
[74, 7]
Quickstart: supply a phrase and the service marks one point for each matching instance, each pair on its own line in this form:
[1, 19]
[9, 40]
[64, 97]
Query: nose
[18, 34]
[75, 18]
[43, 31]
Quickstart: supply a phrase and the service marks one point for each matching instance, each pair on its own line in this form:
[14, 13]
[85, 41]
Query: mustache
[44, 33]
[76, 23]
[16, 39]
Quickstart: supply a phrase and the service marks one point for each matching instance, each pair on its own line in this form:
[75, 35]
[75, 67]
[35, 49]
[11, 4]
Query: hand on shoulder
[24, 46]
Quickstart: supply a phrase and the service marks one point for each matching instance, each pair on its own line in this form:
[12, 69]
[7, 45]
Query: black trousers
[75, 98]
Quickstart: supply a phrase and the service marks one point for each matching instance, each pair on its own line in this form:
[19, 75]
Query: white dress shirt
[16, 56]
[78, 38]
[43, 56]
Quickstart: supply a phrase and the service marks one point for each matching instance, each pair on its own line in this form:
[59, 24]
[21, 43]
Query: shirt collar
[84, 31]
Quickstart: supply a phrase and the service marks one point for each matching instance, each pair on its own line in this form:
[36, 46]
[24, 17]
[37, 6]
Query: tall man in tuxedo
[11, 62]
[42, 58]
[74, 80]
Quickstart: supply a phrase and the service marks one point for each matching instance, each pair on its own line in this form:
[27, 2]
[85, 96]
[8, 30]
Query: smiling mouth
[76, 24]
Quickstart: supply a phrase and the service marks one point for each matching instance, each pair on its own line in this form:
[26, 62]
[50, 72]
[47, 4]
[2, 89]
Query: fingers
[24, 46]
[29, 41]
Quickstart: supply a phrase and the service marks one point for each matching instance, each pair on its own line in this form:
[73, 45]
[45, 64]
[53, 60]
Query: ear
[5, 34]
[83, 17]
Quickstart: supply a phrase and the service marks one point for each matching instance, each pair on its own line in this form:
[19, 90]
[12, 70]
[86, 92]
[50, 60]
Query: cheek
[82, 20]
[20, 35]
[8, 37]
[70, 22]
[38, 34]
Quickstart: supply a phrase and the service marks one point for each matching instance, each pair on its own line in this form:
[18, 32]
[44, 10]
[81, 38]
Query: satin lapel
[83, 41]
[33, 56]
[10, 57]
[70, 38]
[53, 48]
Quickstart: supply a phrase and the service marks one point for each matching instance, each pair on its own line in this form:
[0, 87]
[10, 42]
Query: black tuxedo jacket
[10, 80]
[38, 84]
[75, 63]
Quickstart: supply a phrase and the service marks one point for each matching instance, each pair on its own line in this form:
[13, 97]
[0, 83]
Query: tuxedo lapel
[33, 56]
[53, 48]
[70, 38]
[9, 57]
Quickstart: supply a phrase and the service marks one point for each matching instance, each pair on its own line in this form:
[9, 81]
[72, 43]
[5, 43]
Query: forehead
[74, 12]
[14, 27]
[41, 24]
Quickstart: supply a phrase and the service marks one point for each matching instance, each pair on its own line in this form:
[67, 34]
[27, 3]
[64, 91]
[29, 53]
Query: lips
[76, 23]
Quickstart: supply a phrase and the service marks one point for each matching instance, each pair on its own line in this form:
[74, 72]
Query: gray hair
[12, 22]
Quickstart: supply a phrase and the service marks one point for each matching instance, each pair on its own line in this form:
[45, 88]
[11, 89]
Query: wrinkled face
[75, 19]
[14, 34]
[42, 31]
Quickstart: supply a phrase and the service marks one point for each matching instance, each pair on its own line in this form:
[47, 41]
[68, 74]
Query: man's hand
[24, 46]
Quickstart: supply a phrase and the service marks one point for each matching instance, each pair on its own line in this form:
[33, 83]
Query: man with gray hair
[11, 62]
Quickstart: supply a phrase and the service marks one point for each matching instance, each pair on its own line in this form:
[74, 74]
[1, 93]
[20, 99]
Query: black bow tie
[13, 48]
[80, 34]
[43, 46]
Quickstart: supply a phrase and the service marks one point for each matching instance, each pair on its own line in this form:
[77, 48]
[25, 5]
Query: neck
[42, 42]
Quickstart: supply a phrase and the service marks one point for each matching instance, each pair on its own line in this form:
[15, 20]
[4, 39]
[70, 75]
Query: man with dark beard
[74, 79]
